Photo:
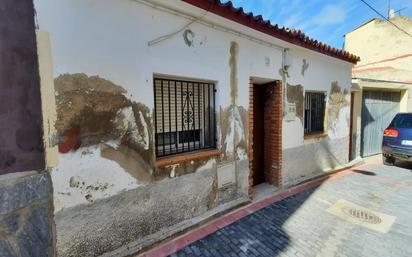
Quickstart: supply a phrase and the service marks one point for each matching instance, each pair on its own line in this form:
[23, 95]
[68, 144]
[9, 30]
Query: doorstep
[264, 200]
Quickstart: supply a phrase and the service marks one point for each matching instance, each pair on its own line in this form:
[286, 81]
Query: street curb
[194, 235]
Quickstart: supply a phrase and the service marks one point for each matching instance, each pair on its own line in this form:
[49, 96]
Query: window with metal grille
[185, 118]
[314, 112]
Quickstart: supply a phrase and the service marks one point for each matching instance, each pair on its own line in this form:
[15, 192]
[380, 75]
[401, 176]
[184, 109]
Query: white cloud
[330, 15]
[293, 20]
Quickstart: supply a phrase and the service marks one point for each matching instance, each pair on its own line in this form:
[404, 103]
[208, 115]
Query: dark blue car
[397, 139]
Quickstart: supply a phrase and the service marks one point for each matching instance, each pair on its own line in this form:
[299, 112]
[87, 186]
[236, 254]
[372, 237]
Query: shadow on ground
[404, 164]
[259, 234]
[364, 172]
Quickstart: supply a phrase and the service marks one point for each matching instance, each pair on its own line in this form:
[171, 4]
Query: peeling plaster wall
[319, 155]
[104, 98]
[132, 214]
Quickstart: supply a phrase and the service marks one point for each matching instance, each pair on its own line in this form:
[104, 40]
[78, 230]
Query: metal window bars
[314, 112]
[185, 118]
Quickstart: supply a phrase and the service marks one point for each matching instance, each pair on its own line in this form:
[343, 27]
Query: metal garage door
[378, 110]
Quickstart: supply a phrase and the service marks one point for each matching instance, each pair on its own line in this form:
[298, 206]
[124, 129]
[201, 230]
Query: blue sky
[325, 20]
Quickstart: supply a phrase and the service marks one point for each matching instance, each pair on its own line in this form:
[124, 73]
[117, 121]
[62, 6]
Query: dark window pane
[189, 136]
[165, 138]
[314, 112]
[402, 121]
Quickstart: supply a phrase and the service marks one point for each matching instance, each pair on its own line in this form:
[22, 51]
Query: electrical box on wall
[226, 175]
[290, 112]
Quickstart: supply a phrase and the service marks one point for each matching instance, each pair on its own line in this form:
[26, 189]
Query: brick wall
[250, 139]
[273, 133]
[273, 141]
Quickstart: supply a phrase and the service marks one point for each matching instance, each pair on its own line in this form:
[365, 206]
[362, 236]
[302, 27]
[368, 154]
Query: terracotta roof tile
[256, 22]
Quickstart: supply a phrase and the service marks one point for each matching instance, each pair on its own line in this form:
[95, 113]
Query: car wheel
[390, 161]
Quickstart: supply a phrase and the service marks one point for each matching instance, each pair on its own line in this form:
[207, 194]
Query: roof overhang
[296, 37]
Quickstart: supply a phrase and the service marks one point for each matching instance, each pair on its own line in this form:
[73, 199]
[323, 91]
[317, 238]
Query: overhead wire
[376, 11]
[165, 37]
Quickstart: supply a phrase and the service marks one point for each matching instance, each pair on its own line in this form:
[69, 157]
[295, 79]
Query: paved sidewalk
[300, 225]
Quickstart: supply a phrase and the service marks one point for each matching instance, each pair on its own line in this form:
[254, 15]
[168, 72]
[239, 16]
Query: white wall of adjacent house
[109, 39]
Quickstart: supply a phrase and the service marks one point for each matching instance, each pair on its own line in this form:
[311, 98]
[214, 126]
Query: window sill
[185, 157]
[316, 136]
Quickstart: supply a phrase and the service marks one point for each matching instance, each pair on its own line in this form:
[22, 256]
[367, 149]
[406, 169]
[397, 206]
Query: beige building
[382, 80]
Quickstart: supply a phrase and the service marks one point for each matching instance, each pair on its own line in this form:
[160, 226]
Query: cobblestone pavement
[300, 225]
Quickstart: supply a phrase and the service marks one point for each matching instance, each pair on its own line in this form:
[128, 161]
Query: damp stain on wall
[305, 67]
[234, 54]
[337, 100]
[87, 190]
[180, 169]
[188, 37]
[233, 126]
[296, 96]
[95, 111]
[233, 119]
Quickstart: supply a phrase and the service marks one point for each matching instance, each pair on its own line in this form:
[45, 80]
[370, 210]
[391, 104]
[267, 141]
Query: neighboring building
[383, 79]
[165, 111]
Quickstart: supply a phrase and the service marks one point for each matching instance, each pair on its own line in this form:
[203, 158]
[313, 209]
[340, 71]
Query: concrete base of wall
[314, 159]
[128, 222]
[26, 221]
[167, 233]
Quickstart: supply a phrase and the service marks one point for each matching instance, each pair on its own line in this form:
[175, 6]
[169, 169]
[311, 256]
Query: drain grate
[362, 215]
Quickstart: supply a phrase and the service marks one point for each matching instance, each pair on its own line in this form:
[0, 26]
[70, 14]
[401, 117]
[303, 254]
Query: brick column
[277, 134]
[250, 147]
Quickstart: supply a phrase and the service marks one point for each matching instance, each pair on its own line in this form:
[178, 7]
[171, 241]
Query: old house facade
[382, 79]
[157, 113]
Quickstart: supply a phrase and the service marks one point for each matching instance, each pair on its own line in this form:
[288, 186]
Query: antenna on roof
[399, 11]
[389, 9]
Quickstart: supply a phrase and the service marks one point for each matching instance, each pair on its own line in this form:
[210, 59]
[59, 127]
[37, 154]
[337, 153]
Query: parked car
[397, 139]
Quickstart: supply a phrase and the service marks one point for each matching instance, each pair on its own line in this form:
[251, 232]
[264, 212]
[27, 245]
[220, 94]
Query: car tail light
[390, 133]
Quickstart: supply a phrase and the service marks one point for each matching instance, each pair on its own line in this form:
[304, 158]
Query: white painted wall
[109, 38]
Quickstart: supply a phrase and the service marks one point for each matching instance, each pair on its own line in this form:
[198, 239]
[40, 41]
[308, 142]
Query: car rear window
[402, 121]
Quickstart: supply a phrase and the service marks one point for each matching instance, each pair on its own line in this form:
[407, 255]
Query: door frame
[352, 101]
[277, 126]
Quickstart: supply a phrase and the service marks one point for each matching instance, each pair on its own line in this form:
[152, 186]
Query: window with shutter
[184, 116]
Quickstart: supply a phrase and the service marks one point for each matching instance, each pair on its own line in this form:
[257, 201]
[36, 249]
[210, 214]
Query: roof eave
[296, 37]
